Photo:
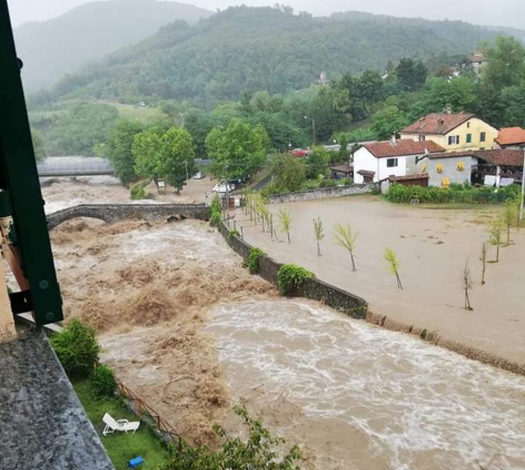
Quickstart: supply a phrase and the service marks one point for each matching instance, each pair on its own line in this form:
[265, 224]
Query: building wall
[364, 160]
[473, 126]
[449, 170]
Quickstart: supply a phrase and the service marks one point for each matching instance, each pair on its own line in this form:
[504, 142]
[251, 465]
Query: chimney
[393, 140]
[441, 126]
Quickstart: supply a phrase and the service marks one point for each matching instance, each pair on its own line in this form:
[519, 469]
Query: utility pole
[313, 129]
[186, 164]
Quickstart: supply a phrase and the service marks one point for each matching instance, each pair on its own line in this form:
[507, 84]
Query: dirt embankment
[147, 289]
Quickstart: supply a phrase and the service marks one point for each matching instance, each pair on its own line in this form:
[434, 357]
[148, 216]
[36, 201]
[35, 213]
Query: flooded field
[360, 397]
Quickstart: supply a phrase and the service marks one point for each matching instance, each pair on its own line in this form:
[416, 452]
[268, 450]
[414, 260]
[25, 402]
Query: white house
[376, 161]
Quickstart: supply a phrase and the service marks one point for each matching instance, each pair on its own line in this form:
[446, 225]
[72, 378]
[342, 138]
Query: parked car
[300, 152]
[222, 188]
[199, 175]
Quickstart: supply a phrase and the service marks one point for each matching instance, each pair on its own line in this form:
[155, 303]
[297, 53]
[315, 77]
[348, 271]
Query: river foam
[415, 402]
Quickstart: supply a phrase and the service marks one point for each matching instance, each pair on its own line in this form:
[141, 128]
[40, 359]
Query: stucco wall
[315, 289]
[450, 170]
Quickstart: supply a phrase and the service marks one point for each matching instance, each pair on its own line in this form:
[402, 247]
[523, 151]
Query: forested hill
[263, 49]
[53, 48]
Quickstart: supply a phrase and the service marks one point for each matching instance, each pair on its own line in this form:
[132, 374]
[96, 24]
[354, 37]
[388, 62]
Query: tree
[146, 150]
[393, 265]
[411, 74]
[483, 260]
[289, 172]
[285, 222]
[261, 450]
[345, 237]
[198, 124]
[176, 157]
[457, 94]
[119, 151]
[318, 233]
[495, 232]
[388, 120]
[317, 162]
[467, 286]
[505, 63]
[508, 217]
[238, 150]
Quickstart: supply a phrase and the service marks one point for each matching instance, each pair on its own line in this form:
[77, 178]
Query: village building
[511, 137]
[377, 161]
[453, 132]
[496, 167]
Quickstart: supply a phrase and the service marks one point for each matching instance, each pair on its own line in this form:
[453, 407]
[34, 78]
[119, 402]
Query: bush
[138, 191]
[103, 382]
[328, 183]
[215, 212]
[252, 262]
[232, 234]
[290, 277]
[456, 193]
[77, 348]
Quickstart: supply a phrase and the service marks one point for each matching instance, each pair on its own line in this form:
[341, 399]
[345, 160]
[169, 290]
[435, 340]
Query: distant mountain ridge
[245, 48]
[53, 48]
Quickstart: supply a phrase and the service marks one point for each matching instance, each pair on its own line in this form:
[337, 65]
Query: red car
[300, 152]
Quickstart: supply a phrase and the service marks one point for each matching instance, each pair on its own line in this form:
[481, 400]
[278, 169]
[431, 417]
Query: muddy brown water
[362, 397]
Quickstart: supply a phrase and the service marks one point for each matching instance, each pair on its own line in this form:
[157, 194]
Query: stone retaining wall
[314, 288]
[115, 212]
[322, 193]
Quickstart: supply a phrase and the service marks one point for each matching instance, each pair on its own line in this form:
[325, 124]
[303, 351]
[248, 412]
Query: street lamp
[313, 129]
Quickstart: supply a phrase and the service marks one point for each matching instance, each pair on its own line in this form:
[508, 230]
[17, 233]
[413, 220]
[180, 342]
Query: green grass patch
[146, 115]
[122, 447]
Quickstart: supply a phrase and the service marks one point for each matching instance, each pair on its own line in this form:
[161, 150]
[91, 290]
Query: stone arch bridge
[115, 212]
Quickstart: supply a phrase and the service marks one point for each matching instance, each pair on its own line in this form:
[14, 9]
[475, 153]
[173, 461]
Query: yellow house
[453, 132]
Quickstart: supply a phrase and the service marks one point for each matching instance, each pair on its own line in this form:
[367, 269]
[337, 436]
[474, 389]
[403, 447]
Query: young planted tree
[495, 235]
[318, 233]
[483, 260]
[467, 286]
[393, 265]
[508, 217]
[285, 222]
[346, 238]
[517, 207]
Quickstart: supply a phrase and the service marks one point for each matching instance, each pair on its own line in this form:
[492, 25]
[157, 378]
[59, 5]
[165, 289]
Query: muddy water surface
[361, 397]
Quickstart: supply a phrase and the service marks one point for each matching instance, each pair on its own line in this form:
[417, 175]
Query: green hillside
[263, 49]
[53, 48]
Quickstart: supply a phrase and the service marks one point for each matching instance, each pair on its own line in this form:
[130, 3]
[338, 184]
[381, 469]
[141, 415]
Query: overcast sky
[494, 12]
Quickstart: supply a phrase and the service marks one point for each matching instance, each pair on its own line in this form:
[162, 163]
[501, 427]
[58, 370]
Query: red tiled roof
[419, 176]
[342, 168]
[511, 136]
[402, 147]
[366, 173]
[503, 157]
[437, 123]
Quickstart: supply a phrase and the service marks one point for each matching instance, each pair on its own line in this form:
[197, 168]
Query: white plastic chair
[123, 425]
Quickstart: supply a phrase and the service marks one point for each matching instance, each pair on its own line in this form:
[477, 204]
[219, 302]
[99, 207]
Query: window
[468, 125]
[469, 138]
[391, 162]
[482, 137]
[453, 139]
[421, 138]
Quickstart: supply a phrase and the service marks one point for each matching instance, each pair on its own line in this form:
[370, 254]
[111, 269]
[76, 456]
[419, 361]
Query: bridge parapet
[115, 212]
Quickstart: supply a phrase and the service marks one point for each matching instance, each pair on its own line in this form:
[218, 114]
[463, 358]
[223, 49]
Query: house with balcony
[452, 131]
[377, 161]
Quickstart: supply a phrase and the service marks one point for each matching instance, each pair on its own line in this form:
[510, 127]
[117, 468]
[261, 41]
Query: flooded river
[362, 397]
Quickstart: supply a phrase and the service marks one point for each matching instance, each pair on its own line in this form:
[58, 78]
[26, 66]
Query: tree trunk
[353, 260]
[467, 301]
[318, 249]
[288, 235]
[508, 235]
[497, 252]
[399, 283]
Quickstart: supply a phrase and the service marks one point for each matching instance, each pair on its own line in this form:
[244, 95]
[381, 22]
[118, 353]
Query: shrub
[103, 382]
[252, 262]
[456, 193]
[77, 348]
[215, 219]
[232, 234]
[290, 277]
[328, 183]
[138, 191]
[215, 212]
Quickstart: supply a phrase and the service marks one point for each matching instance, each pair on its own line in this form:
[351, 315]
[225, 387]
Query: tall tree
[388, 120]
[146, 149]
[411, 74]
[238, 150]
[176, 156]
[119, 151]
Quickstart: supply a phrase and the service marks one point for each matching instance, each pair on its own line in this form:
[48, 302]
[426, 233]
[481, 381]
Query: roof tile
[402, 148]
[437, 123]
[511, 136]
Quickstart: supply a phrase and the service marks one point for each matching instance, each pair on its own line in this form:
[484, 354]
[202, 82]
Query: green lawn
[122, 447]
